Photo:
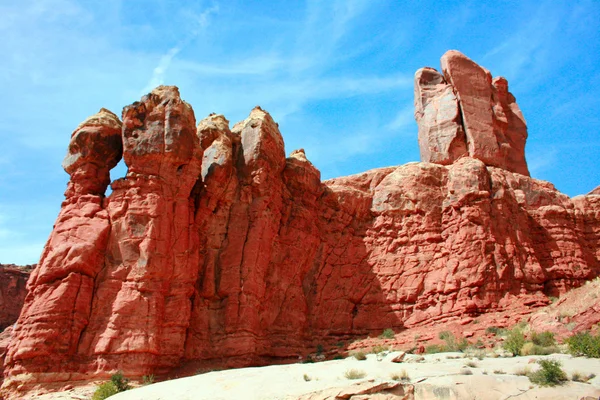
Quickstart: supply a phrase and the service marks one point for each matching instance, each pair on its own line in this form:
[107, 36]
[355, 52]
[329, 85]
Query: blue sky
[336, 75]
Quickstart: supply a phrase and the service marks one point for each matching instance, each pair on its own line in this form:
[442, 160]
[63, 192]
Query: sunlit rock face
[216, 249]
[464, 112]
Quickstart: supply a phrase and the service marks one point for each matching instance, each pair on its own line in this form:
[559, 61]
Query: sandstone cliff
[217, 249]
[13, 279]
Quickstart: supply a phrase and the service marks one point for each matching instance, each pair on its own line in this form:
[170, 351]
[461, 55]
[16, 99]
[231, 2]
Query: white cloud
[404, 119]
[541, 159]
[158, 74]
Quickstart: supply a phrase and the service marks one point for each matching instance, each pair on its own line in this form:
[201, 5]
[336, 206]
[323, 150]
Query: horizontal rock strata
[216, 249]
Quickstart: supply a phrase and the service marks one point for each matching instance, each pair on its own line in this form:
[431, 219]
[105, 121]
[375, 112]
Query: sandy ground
[437, 376]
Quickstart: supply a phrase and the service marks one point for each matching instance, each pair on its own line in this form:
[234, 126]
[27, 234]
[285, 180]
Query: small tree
[514, 341]
[549, 374]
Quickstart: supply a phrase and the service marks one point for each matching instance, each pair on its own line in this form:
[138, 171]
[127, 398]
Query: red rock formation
[13, 279]
[216, 249]
[465, 100]
[57, 307]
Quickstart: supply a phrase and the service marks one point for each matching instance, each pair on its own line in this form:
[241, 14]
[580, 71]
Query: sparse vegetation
[433, 348]
[359, 355]
[581, 377]
[117, 384]
[307, 378]
[494, 330]
[388, 334]
[499, 372]
[120, 382]
[523, 371]
[401, 376]
[147, 379]
[379, 349]
[354, 374]
[544, 339]
[471, 364]
[531, 349]
[451, 344]
[584, 344]
[549, 374]
[514, 341]
[320, 349]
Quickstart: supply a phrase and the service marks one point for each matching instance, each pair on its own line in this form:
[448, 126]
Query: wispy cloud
[541, 159]
[404, 119]
[158, 74]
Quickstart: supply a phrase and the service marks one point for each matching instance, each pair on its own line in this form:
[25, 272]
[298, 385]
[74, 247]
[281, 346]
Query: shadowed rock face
[465, 112]
[13, 279]
[216, 249]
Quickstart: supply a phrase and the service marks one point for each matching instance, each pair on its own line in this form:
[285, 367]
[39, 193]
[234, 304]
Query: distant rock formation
[464, 112]
[216, 249]
[13, 279]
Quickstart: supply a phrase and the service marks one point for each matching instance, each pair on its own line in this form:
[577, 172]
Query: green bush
[120, 382]
[531, 349]
[451, 343]
[584, 344]
[388, 334]
[549, 374]
[493, 330]
[147, 379]
[544, 339]
[117, 384]
[514, 341]
[104, 391]
[433, 348]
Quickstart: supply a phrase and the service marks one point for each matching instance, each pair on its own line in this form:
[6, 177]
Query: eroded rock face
[216, 249]
[466, 112]
[13, 281]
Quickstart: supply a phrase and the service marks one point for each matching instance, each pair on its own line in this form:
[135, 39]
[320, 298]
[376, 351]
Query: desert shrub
[499, 372]
[471, 364]
[451, 343]
[354, 374]
[308, 360]
[581, 377]
[147, 379]
[359, 355]
[549, 374]
[401, 376]
[494, 330]
[466, 371]
[120, 382]
[544, 339]
[433, 348]
[514, 341]
[104, 391]
[388, 334]
[584, 344]
[523, 371]
[378, 349]
[307, 378]
[320, 349]
[117, 384]
[531, 349]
